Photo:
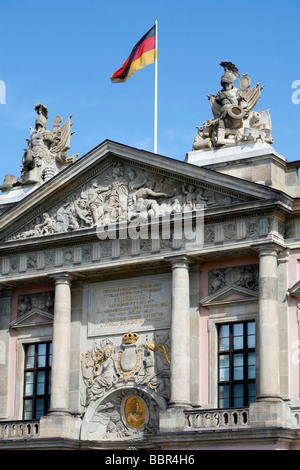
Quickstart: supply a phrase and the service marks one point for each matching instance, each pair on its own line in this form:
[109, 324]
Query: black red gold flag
[143, 53]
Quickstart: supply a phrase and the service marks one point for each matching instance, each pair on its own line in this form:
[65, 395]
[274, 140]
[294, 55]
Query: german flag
[143, 53]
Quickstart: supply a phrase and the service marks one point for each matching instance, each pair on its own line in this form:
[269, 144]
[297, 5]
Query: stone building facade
[148, 302]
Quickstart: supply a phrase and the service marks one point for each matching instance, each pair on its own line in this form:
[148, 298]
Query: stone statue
[234, 119]
[46, 152]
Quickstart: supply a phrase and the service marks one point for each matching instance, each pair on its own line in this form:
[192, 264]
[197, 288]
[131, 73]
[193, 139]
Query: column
[60, 369]
[180, 333]
[268, 328]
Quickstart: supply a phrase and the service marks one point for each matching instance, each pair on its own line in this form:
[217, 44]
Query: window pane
[42, 349]
[50, 354]
[224, 331]
[30, 356]
[238, 342]
[224, 367]
[49, 383]
[237, 402]
[251, 393]
[29, 376]
[224, 344]
[39, 408]
[251, 334]
[238, 329]
[238, 367]
[224, 338]
[251, 372]
[238, 395]
[28, 409]
[224, 375]
[224, 396]
[40, 390]
[251, 365]
[238, 338]
[251, 328]
[42, 355]
[238, 360]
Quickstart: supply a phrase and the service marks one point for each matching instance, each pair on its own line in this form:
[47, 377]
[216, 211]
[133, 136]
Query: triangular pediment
[295, 290]
[230, 295]
[34, 317]
[113, 183]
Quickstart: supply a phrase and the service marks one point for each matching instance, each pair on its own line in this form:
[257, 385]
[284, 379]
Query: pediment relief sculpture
[123, 194]
[242, 276]
[34, 309]
[43, 301]
[230, 295]
[234, 119]
[46, 153]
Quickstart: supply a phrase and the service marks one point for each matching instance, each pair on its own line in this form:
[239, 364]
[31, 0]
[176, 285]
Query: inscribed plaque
[142, 303]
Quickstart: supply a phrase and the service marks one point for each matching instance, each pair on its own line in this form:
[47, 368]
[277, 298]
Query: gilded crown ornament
[130, 338]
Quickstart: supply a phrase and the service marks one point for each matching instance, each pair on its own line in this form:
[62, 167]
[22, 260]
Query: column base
[179, 405]
[59, 412]
[60, 426]
[172, 419]
[269, 397]
[269, 413]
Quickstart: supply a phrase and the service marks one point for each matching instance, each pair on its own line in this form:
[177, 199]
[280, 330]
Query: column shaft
[60, 369]
[180, 334]
[268, 332]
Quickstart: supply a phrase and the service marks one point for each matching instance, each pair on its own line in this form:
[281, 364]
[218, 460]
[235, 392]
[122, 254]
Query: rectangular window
[37, 380]
[236, 364]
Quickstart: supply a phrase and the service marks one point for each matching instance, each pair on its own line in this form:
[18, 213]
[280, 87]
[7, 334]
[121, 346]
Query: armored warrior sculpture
[234, 119]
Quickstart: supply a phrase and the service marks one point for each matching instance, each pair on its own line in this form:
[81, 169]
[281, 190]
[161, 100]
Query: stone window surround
[213, 322]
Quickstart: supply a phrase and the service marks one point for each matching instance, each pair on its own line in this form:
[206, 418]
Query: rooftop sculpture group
[46, 152]
[235, 120]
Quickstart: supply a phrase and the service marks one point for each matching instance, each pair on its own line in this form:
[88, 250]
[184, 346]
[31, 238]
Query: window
[37, 380]
[236, 359]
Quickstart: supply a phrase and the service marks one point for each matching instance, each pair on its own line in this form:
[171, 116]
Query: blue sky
[62, 53]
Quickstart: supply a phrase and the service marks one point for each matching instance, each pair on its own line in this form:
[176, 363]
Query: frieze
[106, 250]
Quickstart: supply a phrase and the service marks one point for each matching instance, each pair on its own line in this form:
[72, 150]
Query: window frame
[35, 369]
[231, 353]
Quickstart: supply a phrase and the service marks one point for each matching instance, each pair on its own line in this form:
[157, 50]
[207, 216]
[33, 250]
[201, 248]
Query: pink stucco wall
[294, 354]
[204, 316]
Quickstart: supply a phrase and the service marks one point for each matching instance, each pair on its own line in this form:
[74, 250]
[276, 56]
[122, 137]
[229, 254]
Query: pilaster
[59, 423]
[180, 333]
[269, 408]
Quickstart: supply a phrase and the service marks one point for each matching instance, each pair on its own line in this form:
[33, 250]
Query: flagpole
[155, 91]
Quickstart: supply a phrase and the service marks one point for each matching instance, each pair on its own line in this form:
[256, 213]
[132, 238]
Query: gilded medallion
[135, 412]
